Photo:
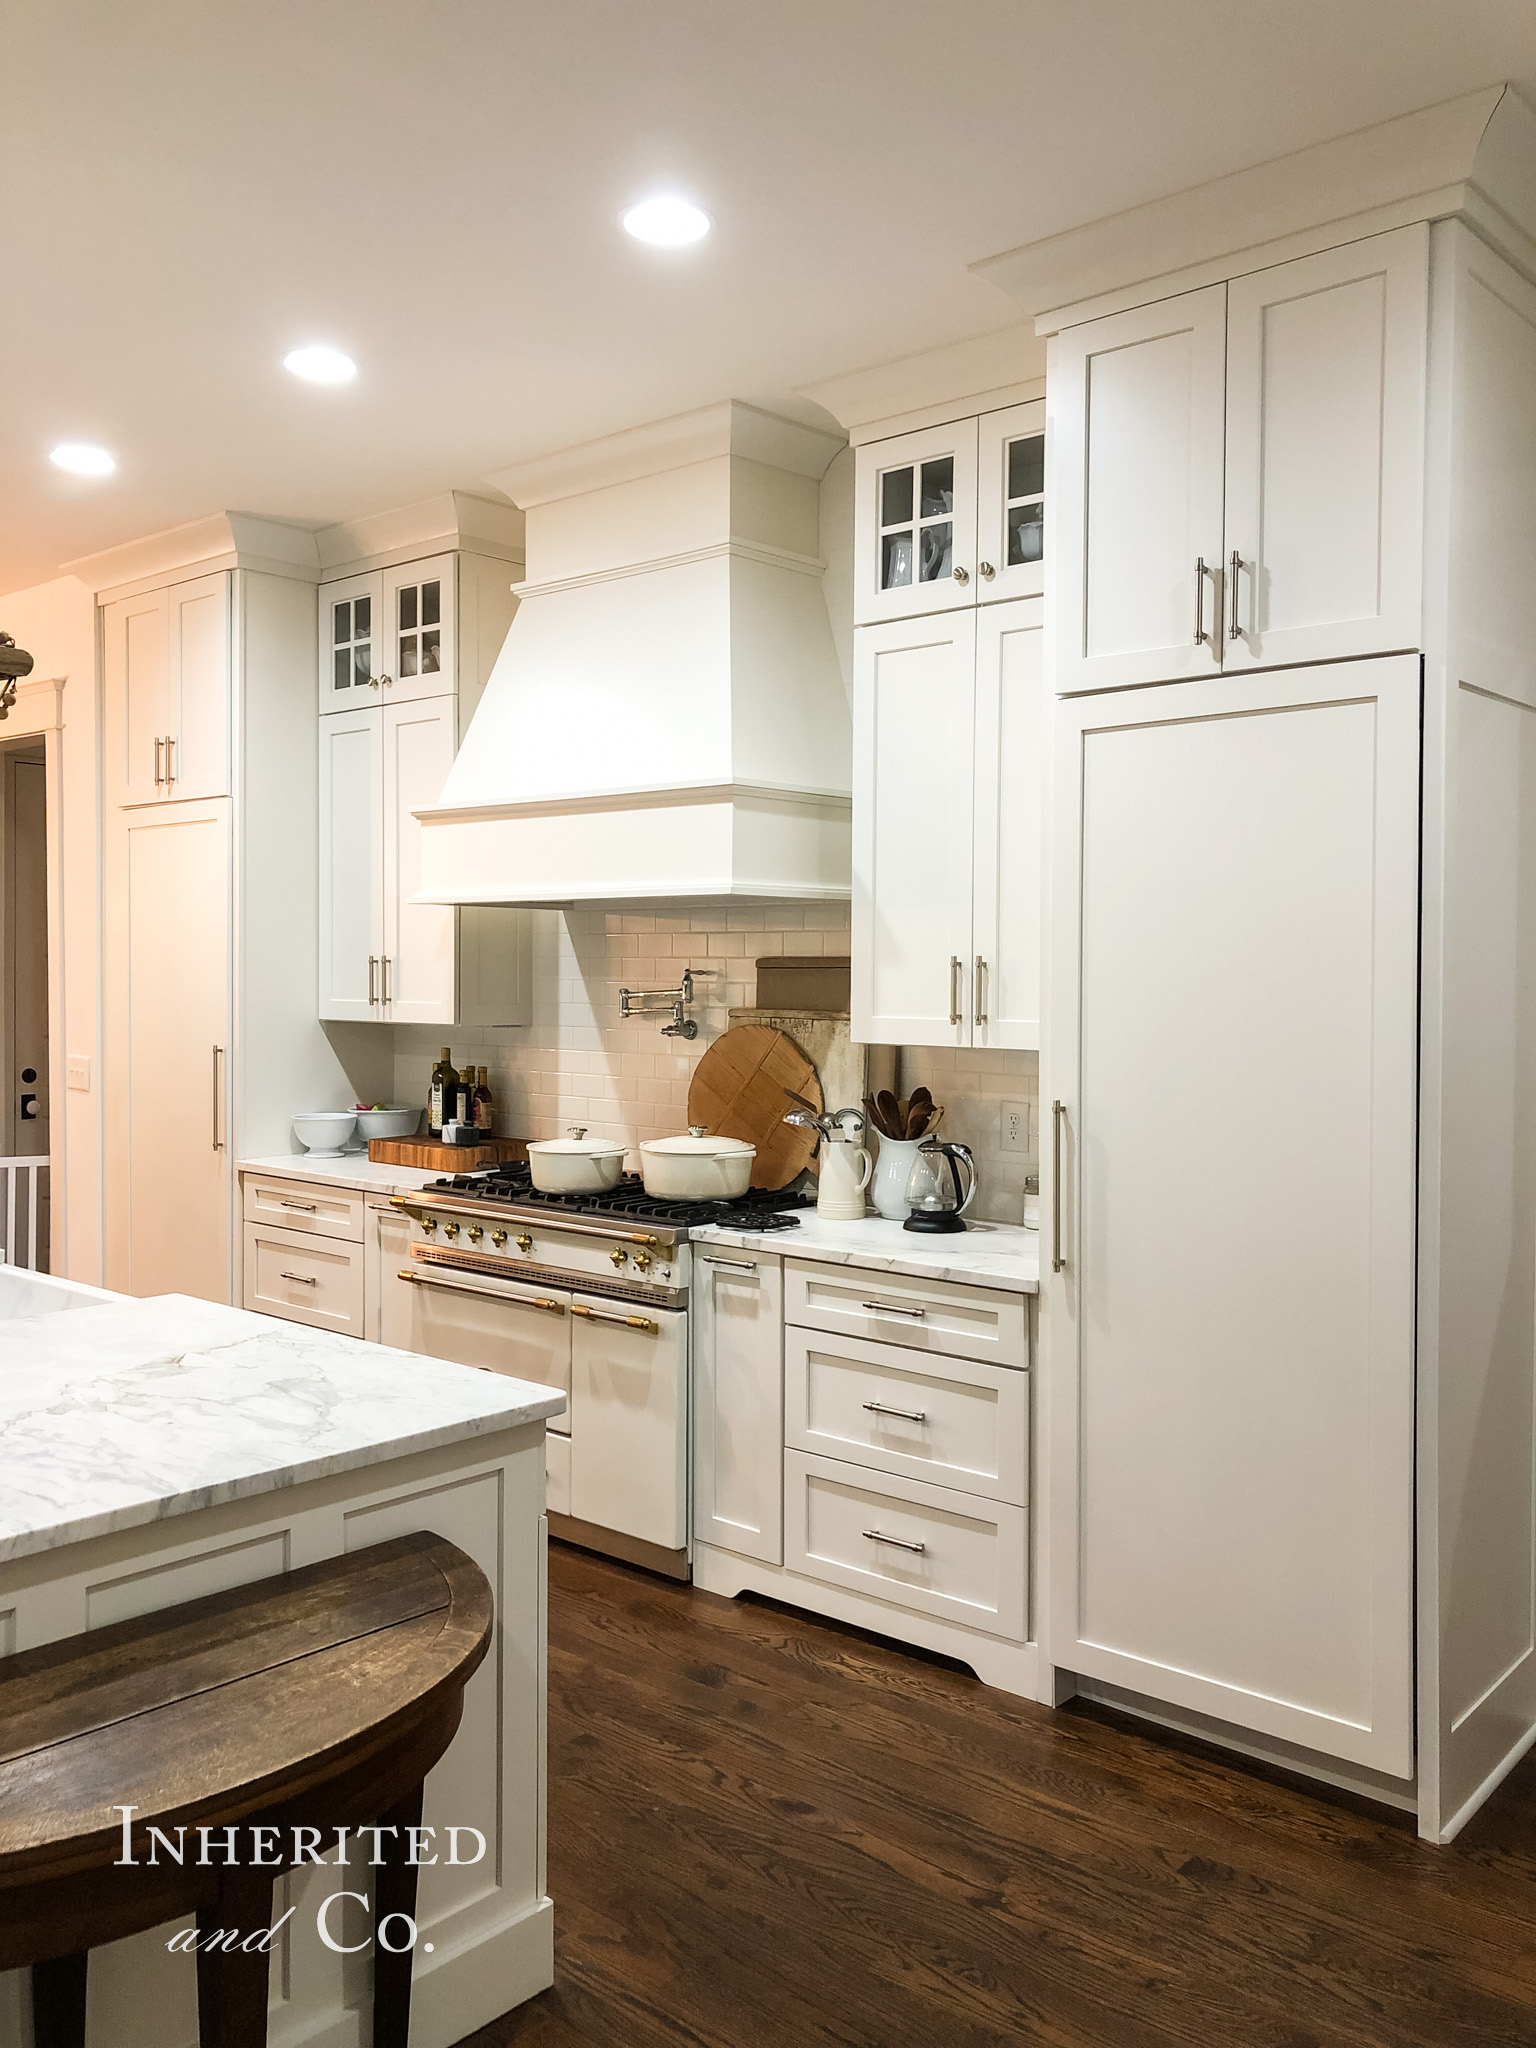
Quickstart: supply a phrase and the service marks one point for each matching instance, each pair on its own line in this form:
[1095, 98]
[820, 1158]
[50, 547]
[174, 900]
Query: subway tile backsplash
[577, 1063]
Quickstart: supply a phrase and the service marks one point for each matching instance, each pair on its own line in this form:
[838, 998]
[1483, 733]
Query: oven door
[629, 1405]
[522, 1331]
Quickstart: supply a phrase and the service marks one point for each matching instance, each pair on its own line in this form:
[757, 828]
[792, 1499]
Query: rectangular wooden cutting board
[427, 1152]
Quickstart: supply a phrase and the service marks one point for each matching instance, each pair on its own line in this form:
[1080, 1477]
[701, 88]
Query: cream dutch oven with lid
[575, 1164]
[697, 1168]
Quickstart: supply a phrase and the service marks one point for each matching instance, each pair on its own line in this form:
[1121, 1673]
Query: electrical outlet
[1014, 1134]
[77, 1071]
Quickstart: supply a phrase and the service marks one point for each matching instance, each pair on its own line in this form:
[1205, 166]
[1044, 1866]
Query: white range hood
[667, 717]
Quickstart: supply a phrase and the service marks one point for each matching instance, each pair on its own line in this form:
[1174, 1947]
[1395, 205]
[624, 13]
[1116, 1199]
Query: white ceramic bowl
[324, 1132]
[387, 1123]
[697, 1168]
[575, 1164]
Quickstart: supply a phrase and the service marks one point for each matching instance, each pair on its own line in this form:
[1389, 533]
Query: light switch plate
[1013, 1127]
[77, 1071]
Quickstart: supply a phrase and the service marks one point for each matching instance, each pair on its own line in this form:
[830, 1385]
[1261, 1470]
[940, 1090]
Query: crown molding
[1003, 367]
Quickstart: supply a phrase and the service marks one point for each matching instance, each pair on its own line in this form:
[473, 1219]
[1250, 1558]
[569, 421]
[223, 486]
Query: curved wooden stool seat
[318, 1699]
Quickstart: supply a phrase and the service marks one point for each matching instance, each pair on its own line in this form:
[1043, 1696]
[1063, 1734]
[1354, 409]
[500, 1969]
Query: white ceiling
[188, 188]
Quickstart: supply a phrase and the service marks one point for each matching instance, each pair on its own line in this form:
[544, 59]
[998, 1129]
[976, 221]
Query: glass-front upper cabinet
[951, 515]
[388, 636]
[915, 523]
[1010, 502]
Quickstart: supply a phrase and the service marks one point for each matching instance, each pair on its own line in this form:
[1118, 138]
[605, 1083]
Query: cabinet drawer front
[950, 1422]
[924, 1547]
[305, 1279]
[557, 1475]
[304, 1205]
[923, 1315]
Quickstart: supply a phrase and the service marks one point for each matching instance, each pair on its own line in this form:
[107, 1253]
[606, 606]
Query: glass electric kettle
[933, 1187]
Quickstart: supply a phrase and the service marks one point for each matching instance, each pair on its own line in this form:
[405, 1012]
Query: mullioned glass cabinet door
[915, 524]
[1011, 534]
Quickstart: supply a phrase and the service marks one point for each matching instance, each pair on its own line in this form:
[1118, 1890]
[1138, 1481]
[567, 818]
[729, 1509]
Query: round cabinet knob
[525, 1243]
[498, 1238]
[450, 1230]
[620, 1257]
[475, 1233]
[962, 576]
[985, 569]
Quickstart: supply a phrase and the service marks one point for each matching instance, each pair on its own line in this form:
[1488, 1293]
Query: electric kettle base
[944, 1222]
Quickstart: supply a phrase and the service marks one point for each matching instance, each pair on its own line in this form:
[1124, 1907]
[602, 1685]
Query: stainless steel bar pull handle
[900, 1542]
[308, 1207]
[979, 992]
[1058, 1114]
[218, 1098]
[1234, 571]
[905, 1414]
[170, 760]
[373, 965]
[386, 980]
[303, 1279]
[891, 1308]
[159, 777]
[955, 973]
[733, 1266]
[1201, 635]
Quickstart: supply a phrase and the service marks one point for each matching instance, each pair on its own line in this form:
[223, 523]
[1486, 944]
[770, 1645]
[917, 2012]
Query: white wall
[56, 623]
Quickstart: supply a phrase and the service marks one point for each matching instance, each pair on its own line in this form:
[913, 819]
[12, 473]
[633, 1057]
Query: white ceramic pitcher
[891, 1177]
[845, 1171]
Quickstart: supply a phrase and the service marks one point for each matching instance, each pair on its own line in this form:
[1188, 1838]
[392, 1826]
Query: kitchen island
[152, 1451]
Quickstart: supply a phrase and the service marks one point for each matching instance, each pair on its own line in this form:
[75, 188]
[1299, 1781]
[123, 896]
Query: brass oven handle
[420, 1279]
[600, 1315]
[470, 1207]
[1058, 1115]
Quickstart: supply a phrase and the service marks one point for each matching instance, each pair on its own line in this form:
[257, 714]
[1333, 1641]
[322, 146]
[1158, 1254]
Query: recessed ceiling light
[80, 458]
[667, 222]
[320, 365]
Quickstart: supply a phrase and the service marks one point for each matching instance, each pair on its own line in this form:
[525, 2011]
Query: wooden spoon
[892, 1122]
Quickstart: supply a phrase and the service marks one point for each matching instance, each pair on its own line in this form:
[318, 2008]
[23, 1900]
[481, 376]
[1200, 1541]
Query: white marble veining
[353, 1170]
[114, 1416]
[983, 1255]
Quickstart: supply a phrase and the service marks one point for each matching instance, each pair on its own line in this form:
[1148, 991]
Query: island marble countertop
[114, 1416]
[982, 1255]
[353, 1170]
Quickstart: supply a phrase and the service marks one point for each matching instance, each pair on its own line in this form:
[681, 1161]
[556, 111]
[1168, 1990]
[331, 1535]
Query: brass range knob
[498, 1238]
[475, 1233]
[620, 1257]
[525, 1243]
[429, 1226]
[450, 1230]
[642, 1262]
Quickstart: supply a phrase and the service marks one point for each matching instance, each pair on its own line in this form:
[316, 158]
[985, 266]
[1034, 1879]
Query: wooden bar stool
[317, 1699]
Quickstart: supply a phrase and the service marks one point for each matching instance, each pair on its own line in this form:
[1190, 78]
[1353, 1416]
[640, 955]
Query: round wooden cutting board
[737, 1091]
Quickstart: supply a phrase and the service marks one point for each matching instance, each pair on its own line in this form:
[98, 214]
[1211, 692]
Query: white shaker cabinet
[736, 1302]
[351, 863]
[1233, 1042]
[948, 794]
[951, 516]
[390, 635]
[166, 986]
[1236, 472]
[166, 667]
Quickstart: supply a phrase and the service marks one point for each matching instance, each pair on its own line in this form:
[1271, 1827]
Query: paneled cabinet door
[915, 524]
[1325, 453]
[195, 759]
[351, 864]
[168, 1192]
[913, 776]
[418, 971]
[136, 697]
[1234, 989]
[737, 1304]
[1137, 408]
[1010, 502]
[1010, 801]
[418, 638]
[353, 642]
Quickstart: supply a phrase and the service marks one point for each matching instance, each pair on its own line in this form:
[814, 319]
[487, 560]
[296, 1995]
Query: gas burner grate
[758, 1209]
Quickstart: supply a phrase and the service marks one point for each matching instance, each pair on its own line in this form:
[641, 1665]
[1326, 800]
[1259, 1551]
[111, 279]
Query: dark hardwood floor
[767, 1830]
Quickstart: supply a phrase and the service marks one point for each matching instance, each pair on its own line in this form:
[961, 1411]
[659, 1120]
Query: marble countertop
[983, 1255]
[114, 1416]
[353, 1170]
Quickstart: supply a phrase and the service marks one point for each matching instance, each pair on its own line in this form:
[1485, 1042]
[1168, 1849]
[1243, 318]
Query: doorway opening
[24, 1109]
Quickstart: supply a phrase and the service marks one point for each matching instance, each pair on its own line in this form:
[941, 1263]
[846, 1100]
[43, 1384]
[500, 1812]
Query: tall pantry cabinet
[210, 1033]
[1289, 1254]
